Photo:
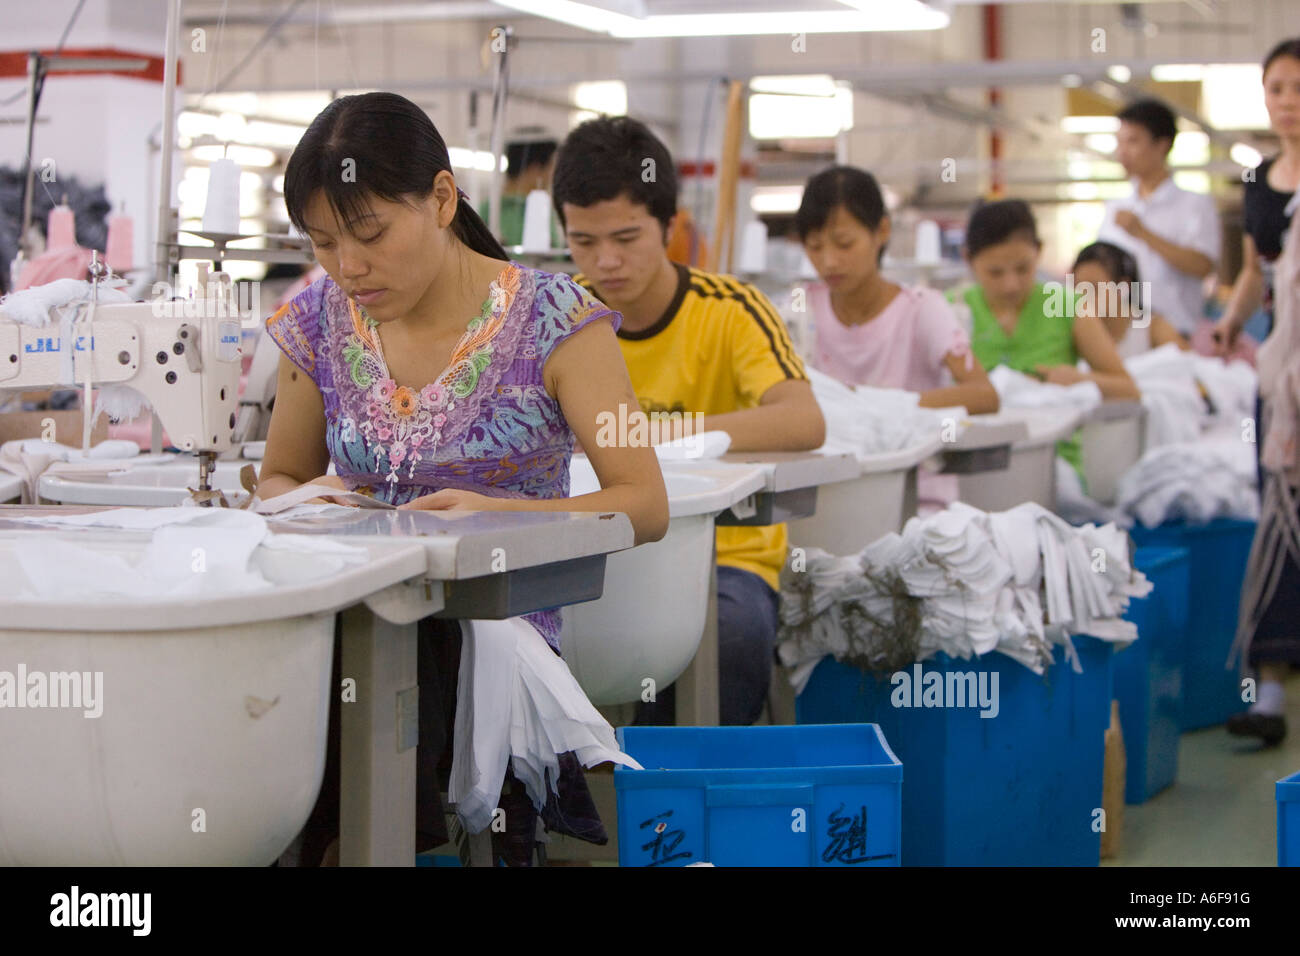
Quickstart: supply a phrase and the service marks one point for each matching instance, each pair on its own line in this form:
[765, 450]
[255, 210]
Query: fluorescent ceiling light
[868, 16]
[462, 158]
[604, 96]
[1090, 124]
[243, 155]
[1193, 181]
[1119, 73]
[1101, 142]
[813, 84]
[774, 200]
[1244, 155]
[1177, 72]
[1232, 96]
[783, 116]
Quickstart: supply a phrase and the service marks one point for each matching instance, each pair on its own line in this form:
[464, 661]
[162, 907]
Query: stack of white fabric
[1017, 582]
[871, 421]
[1172, 380]
[1199, 462]
[29, 458]
[1197, 481]
[1017, 390]
[518, 704]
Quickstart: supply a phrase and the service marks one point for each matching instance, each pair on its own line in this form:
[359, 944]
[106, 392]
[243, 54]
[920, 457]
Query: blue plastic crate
[1219, 552]
[1288, 821]
[758, 796]
[1149, 674]
[1018, 789]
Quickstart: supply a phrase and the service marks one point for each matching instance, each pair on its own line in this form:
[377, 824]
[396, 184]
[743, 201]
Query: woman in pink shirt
[871, 331]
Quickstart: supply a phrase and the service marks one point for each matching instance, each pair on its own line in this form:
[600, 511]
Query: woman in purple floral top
[433, 372]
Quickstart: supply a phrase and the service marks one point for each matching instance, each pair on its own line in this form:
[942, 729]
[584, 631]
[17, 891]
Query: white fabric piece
[225, 541]
[29, 458]
[518, 703]
[1017, 582]
[870, 421]
[33, 306]
[304, 493]
[1076, 506]
[1017, 390]
[710, 444]
[1213, 477]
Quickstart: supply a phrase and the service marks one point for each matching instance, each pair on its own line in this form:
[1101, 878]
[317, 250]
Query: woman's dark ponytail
[469, 227]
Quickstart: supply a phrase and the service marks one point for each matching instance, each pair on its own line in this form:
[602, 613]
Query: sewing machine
[182, 356]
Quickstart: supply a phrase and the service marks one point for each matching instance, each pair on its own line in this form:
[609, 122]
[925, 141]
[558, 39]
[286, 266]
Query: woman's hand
[454, 499]
[1225, 334]
[1060, 374]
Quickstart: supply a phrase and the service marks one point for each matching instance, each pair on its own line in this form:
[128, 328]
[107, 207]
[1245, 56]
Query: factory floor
[1222, 810]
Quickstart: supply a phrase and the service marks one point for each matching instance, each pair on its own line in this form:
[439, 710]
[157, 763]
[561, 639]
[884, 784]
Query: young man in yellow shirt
[693, 342]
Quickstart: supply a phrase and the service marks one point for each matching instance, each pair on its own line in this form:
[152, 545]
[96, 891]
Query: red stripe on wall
[13, 64]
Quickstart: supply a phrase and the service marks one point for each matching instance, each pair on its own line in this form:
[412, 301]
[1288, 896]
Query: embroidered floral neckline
[409, 423]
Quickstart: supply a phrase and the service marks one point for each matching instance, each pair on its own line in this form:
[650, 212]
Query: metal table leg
[380, 730]
[697, 688]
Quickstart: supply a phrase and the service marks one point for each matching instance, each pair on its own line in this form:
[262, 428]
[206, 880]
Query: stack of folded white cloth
[963, 582]
[871, 421]
[1198, 481]
[1017, 390]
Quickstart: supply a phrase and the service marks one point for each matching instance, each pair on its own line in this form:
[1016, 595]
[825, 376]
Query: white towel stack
[871, 421]
[1198, 481]
[1017, 582]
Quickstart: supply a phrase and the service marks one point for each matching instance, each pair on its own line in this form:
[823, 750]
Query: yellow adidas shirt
[717, 348]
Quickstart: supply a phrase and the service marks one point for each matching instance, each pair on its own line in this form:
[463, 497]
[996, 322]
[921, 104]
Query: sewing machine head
[182, 356]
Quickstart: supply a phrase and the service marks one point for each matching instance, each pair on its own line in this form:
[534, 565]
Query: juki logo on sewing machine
[55, 344]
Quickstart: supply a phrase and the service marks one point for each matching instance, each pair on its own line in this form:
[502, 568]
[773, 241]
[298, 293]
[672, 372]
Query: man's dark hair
[522, 154]
[605, 158]
[1289, 48]
[1153, 116]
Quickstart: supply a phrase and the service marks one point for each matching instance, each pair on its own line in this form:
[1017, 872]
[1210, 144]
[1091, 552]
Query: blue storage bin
[1018, 789]
[1288, 821]
[1149, 674]
[1219, 552]
[758, 796]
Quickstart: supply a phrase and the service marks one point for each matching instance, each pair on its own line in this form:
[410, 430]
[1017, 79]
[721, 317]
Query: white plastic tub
[650, 621]
[1030, 475]
[852, 514]
[1114, 437]
[209, 746]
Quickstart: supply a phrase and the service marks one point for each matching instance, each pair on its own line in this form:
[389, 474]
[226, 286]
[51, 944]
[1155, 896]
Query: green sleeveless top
[1044, 335]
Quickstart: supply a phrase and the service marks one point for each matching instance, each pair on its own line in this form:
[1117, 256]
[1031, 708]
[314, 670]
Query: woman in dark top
[1270, 622]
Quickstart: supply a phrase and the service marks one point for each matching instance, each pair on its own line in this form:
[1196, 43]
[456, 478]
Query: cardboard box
[62, 427]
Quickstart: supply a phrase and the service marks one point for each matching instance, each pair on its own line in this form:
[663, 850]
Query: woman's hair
[1118, 263]
[605, 158]
[1289, 48]
[854, 189]
[377, 145]
[993, 223]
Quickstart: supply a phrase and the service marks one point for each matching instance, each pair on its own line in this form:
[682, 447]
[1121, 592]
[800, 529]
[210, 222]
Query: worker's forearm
[1247, 293]
[978, 399]
[1187, 261]
[771, 428]
[1115, 387]
[270, 486]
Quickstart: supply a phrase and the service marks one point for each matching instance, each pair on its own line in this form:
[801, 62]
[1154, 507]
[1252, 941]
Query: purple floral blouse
[486, 424]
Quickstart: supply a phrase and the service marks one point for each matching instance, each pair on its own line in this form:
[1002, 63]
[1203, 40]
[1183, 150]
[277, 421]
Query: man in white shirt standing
[1173, 233]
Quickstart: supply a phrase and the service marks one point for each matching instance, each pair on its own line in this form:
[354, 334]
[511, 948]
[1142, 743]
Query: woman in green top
[1018, 322]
